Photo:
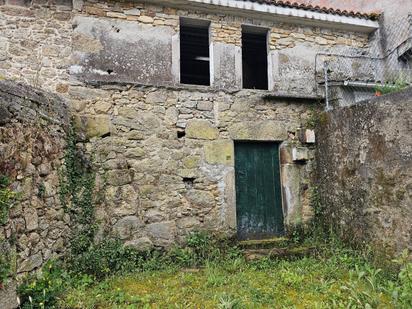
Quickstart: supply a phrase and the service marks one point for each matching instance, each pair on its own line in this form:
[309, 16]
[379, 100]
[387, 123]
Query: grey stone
[44, 169]
[119, 177]
[123, 200]
[78, 5]
[261, 130]
[31, 263]
[199, 198]
[126, 227]
[31, 218]
[162, 233]
[154, 215]
[140, 244]
[5, 115]
[3, 49]
[205, 106]
[188, 223]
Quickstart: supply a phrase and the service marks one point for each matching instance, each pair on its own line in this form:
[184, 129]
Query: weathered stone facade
[168, 156]
[365, 171]
[40, 44]
[32, 141]
[165, 151]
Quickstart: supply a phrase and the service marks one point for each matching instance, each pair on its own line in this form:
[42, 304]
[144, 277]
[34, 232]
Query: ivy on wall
[77, 191]
[7, 199]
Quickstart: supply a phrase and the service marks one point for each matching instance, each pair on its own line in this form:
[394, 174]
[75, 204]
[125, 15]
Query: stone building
[198, 114]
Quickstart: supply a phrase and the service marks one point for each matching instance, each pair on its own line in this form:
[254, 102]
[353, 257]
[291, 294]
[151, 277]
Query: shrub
[105, 258]
[201, 248]
[42, 290]
[402, 293]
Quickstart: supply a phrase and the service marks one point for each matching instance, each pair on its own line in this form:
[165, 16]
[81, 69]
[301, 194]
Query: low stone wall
[32, 140]
[365, 170]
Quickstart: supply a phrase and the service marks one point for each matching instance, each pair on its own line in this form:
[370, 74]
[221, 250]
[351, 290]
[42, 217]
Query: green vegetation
[7, 198]
[212, 273]
[392, 87]
[77, 191]
[5, 263]
[208, 272]
[340, 281]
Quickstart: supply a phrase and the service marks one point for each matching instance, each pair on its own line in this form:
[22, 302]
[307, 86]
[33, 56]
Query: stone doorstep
[277, 242]
[277, 247]
[273, 253]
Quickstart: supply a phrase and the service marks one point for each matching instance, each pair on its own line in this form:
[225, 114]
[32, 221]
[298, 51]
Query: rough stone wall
[35, 46]
[53, 46]
[164, 151]
[167, 158]
[32, 140]
[365, 170]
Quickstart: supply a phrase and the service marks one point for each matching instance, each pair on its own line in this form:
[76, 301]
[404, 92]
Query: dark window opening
[189, 182]
[254, 58]
[194, 52]
[181, 134]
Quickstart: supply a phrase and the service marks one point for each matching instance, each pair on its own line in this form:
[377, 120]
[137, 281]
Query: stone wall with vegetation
[33, 225]
[163, 151]
[166, 157]
[365, 171]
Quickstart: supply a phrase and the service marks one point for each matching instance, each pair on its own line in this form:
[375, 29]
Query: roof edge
[279, 13]
[295, 14]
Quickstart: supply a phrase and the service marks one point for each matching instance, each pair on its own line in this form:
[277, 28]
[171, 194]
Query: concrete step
[276, 242]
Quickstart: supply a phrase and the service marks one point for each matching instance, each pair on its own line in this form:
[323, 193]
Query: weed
[41, 191]
[391, 87]
[228, 302]
[5, 262]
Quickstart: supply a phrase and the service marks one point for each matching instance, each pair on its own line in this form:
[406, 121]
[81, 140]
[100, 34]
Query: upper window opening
[254, 58]
[194, 52]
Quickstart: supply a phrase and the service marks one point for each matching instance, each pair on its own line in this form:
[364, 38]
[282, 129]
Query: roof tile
[316, 8]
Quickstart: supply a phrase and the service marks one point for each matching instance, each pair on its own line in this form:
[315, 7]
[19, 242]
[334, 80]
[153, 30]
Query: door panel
[258, 199]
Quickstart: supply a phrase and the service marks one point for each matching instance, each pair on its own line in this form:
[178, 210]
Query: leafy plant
[201, 248]
[41, 191]
[109, 257]
[43, 289]
[391, 87]
[77, 191]
[5, 263]
[402, 293]
[228, 302]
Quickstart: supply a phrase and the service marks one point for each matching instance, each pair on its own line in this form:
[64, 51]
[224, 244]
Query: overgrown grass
[212, 273]
[343, 280]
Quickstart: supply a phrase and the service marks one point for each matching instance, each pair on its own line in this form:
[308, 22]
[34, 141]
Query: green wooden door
[258, 200]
